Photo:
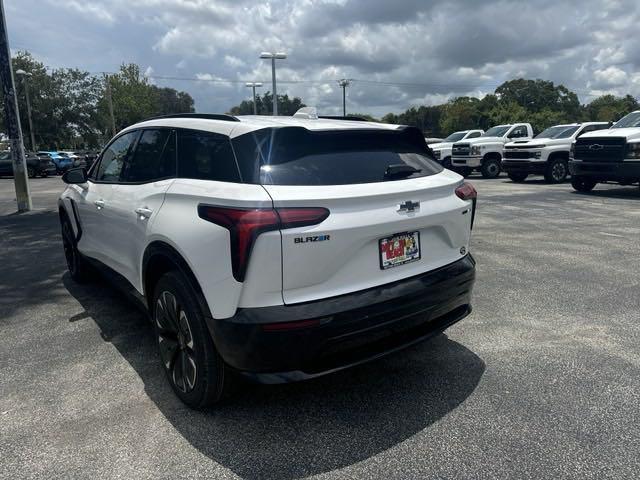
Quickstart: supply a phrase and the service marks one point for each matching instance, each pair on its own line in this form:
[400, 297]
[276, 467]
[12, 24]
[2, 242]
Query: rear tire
[194, 368]
[79, 269]
[491, 168]
[582, 184]
[446, 163]
[557, 171]
[518, 177]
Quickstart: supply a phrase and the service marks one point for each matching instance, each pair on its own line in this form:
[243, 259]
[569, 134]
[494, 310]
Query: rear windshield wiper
[400, 170]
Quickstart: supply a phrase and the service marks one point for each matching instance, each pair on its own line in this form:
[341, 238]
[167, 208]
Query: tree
[264, 104]
[537, 95]
[609, 108]
[461, 113]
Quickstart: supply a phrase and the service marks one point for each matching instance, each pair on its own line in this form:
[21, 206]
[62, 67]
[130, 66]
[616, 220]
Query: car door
[136, 200]
[95, 213]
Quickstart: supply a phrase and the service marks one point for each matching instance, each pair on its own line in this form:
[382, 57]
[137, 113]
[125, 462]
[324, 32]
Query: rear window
[297, 156]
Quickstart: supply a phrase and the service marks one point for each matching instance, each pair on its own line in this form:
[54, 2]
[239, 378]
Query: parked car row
[45, 163]
[590, 152]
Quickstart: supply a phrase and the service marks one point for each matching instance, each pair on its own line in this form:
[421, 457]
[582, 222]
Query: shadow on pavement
[629, 192]
[287, 431]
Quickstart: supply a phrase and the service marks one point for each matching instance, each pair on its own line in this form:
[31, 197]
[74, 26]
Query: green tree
[461, 113]
[609, 108]
[264, 103]
[537, 95]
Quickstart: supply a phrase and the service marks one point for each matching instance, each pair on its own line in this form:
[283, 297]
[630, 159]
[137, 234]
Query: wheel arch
[491, 156]
[159, 258]
[562, 154]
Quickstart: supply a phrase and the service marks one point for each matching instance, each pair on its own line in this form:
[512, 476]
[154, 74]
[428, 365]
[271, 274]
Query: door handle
[144, 212]
[99, 204]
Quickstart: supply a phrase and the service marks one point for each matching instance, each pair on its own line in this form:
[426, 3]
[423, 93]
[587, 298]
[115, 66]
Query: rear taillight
[245, 225]
[466, 191]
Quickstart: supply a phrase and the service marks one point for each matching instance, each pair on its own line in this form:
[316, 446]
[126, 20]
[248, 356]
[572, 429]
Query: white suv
[281, 248]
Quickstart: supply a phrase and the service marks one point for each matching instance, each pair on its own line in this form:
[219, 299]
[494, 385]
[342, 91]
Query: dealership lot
[542, 380]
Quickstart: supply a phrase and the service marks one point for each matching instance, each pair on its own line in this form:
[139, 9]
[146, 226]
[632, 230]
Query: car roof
[249, 123]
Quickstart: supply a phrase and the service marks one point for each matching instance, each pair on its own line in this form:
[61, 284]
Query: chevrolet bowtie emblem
[408, 206]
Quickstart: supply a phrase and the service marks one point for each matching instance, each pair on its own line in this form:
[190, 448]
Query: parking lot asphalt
[541, 381]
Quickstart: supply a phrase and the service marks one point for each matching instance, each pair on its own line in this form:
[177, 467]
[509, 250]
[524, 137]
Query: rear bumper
[347, 330]
[524, 166]
[626, 171]
[474, 161]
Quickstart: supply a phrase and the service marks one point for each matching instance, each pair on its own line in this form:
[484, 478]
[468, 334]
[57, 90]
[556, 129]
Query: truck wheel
[582, 184]
[518, 177]
[446, 163]
[31, 172]
[195, 370]
[557, 171]
[490, 168]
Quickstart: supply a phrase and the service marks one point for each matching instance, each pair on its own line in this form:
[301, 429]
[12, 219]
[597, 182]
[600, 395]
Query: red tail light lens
[466, 191]
[245, 225]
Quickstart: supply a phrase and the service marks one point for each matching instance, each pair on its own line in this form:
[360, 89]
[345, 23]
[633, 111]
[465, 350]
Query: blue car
[62, 163]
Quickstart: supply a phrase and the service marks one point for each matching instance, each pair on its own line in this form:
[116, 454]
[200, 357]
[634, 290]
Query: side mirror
[75, 176]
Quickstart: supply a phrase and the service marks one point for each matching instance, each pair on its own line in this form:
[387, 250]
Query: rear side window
[154, 157]
[297, 156]
[114, 157]
[206, 156]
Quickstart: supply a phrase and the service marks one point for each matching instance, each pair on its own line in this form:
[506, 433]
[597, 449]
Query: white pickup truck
[442, 150]
[611, 155]
[547, 154]
[485, 153]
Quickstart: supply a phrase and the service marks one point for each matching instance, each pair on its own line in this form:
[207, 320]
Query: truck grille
[604, 149]
[460, 149]
[517, 154]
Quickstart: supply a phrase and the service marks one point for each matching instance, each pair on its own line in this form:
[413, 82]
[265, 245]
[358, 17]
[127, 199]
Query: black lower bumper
[624, 171]
[339, 332]
[532, 168]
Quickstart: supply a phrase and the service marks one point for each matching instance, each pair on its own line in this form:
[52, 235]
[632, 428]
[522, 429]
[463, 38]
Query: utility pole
[344, 83]
[12, 119]
[273, 56]
[253, 85]
[110, 103]
[25, 76]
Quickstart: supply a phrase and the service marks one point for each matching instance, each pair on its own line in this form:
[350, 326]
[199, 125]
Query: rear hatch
[393, 212]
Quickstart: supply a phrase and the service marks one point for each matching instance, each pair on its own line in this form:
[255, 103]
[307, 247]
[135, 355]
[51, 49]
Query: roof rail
[203, 116]
[340, 117]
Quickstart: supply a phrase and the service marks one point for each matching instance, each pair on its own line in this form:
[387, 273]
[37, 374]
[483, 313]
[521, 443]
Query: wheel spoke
[178, 372]
[165, 320]
[168, 350]
[190, 370]
[185, 330]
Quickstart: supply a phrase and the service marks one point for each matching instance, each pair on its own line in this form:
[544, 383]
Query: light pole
[273, 56]
[253, 85]
[24, 75]
[344, 83]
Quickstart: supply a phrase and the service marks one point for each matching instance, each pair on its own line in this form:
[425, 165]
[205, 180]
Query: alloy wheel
[175, 340]
[558, 172]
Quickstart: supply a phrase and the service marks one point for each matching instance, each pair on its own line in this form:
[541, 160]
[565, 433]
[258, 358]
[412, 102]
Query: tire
[44, 174]
[446, 163]
[518, 177]
[31, 172]
[557, 171]
[491, 168]
[79, 269]
[196, 372]
[582, 184]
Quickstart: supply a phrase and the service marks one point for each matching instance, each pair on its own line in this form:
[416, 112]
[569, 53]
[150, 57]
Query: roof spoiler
[203, 116]
[346, 117]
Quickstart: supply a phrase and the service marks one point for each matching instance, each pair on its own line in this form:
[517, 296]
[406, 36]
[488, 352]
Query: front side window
[454, 137]
[114, 157]
[496, 132]
[154, 157]
[518, 132]
[474, 135]
[206, 156]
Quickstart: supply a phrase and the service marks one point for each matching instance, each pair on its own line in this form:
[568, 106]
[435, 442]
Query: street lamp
[344, 83]
[253, 85]
[24, 75]
[273, 56]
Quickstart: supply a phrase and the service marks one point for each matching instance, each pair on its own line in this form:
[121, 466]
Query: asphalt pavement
[541, 381]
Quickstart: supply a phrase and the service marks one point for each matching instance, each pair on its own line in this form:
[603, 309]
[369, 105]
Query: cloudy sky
[399, 52]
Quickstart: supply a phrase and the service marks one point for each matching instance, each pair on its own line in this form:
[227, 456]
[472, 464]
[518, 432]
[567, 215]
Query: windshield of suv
[496, 131]
[454, 137]
[297, 156]
[559, 131]
[628, 121]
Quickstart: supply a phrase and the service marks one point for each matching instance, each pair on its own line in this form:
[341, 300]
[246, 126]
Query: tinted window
[297, 156]
[495, 132]
[114, 157]
[454, 137]
[206, 156]
[474, 135]
[593, 128]
[154, 157]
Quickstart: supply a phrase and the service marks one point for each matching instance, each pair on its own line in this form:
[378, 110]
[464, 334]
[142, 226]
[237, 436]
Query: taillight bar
[246, 224]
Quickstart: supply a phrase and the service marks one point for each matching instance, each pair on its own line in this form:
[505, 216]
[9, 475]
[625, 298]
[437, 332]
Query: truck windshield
[297, 156]
[559, 131]
[628, 121]
[496, 131]
[454, 137]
